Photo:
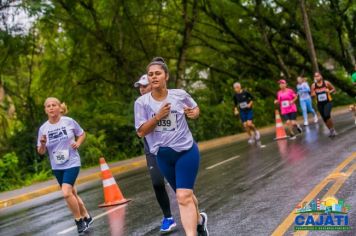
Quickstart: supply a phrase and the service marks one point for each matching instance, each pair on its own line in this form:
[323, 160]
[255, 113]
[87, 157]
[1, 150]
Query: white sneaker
[306, 123]
[251, 140]
[257, 135]
[316, 119]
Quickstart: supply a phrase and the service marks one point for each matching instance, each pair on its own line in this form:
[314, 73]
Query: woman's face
[317, 77]
[52, 108]
[300, 80]
[282, 86]
[157, 77]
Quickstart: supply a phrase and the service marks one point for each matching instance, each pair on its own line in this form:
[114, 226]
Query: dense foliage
[89, 53]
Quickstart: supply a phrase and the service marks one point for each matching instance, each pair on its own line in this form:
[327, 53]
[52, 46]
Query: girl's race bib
[167, 124]
[61, 157]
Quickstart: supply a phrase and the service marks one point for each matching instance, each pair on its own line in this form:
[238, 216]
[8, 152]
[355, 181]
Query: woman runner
[286, 99]
[305, 100]
[322, 90]
[61, 137]
[160, 118]
[157, 179]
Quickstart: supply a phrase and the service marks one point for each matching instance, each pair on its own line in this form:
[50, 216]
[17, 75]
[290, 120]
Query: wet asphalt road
[249, 195]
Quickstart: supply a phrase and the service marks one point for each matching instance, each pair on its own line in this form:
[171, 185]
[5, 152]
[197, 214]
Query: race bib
[322, 97]
[167, 124]
[285, 104]
[243, 105]
[61, 157]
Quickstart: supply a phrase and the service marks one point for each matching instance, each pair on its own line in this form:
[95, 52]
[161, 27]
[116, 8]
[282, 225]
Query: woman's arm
[79, 141]
[42, 148]
[151, 124]
[330, 87]
[312, 91]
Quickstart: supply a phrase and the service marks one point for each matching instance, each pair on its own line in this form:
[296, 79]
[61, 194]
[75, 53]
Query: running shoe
[300, 130]
[81, 225]
[257, 135]
[306, 123]
[168, 225]
[332, 133]
[203, 227]
[292, 137]
[316, 119]
[88, 220]
[251, 140]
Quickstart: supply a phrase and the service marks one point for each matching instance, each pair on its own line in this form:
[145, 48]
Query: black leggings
[325, 110]
[158, 185]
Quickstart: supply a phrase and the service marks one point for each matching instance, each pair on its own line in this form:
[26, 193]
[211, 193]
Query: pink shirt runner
[284, 98]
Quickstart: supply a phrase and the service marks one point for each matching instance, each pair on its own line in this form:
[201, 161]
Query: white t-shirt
[60, 136]
[172, 131]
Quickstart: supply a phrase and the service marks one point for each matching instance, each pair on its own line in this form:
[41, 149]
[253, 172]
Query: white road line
[94, 218]
[223, 162]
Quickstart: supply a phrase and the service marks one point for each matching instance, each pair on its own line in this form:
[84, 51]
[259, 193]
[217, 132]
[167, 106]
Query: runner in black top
[243, 101]
[322, 90]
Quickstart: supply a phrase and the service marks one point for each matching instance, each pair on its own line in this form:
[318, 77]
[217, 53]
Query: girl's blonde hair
[62, 105]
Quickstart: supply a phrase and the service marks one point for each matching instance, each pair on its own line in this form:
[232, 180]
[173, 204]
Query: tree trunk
[308, 34]
[189, 22]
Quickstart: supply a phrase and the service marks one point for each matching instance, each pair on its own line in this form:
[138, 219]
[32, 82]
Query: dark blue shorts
[246, 115]
[179, 168]
[290, 116]
[67, 176]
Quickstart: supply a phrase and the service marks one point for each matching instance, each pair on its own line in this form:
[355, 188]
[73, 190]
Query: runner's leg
[159, 185]
[71, 200]
[303, 105]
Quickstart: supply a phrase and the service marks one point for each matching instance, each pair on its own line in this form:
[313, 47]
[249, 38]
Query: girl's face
[157, 77]
[52, 108]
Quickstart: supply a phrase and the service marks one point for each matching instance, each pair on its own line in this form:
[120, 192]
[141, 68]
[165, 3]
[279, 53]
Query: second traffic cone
[112, 192]
[280, 131]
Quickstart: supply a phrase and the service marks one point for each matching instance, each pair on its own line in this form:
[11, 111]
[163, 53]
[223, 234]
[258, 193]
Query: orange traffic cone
[280, 131]
[112, 192]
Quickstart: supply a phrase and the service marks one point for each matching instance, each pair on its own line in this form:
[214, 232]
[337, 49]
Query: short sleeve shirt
[242, 99]
[60, 136]
[172, 131]
[284, 98]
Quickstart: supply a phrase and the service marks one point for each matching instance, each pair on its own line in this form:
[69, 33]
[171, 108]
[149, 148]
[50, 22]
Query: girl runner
[286, 98]
[160, 118]
[61, 137]
[305, 101]
[322, 90]
[157, 179]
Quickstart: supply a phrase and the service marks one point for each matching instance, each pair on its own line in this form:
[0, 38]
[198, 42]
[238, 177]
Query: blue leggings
[179, 168]
[306, 106]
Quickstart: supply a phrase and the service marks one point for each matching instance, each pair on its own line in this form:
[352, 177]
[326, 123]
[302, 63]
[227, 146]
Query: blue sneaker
[168, 225]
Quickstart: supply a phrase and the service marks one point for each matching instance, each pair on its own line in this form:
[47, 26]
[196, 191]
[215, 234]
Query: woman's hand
[276, 101]
[191, 113]
[163, 112]
[43, 140]
[75, 145]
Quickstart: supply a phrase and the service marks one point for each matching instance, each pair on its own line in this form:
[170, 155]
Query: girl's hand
[276, 102]
[43, 140]
[75, 145]
[191, 112]
[164, 111]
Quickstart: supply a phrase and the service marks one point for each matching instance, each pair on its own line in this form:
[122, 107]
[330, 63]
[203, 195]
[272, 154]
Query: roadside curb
[135, 163]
